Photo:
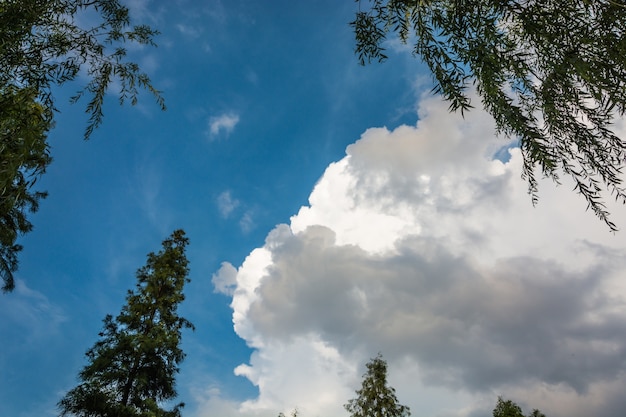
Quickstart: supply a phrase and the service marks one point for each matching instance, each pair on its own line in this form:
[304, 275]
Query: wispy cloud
[32, 313]
[226, 203]
[224, 123]
[189, 31]
[246, 223]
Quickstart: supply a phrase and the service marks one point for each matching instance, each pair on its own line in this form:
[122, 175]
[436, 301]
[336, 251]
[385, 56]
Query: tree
[24, 156]
[375, 398]
[507, 408]
[552, 74]
[132, 366]
[42, 46]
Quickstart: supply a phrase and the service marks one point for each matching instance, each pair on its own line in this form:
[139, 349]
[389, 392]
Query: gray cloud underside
[471, 327]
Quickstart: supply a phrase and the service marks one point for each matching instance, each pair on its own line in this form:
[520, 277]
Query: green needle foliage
[42, 45]
[375, 398]
[552, 73]
[132, 367]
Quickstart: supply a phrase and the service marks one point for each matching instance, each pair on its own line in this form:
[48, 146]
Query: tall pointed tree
[376, 398]
[131, 369]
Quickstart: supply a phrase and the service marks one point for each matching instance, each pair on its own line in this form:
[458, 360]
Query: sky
[335, 211]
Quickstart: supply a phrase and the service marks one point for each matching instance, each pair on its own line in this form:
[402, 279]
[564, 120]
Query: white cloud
[421, 246]
[225, 280]
[246, 223]
[316, 367]
[210, 402]
[189, 31]
[226, 203]
[225, 122]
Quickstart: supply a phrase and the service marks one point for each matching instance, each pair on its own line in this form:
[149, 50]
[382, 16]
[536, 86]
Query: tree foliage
[24, 156]
[132, 367]
[507, 408]
[376, 398]
[43, 45]
[552, 73]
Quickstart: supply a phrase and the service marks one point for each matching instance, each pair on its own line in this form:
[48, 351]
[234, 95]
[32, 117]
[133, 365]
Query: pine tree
[131, 368]
[375, 398]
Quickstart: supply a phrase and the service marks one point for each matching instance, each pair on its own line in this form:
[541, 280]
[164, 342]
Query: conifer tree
[132, 367]
[375, 398]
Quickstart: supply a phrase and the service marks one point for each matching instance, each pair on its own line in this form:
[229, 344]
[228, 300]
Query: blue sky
[334, 211]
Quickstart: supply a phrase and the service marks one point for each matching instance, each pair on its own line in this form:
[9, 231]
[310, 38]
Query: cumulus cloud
[420, 245]
[225, 122]
[225, 280]
[210, 402]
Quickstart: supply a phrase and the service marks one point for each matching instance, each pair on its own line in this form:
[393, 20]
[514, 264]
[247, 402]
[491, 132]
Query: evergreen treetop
[132, 367]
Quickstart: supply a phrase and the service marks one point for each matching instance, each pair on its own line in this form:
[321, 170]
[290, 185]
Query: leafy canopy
[132, 367]
[24, 156]
[376, 398]
[42, 45]
[552, 73]
[507, 408]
